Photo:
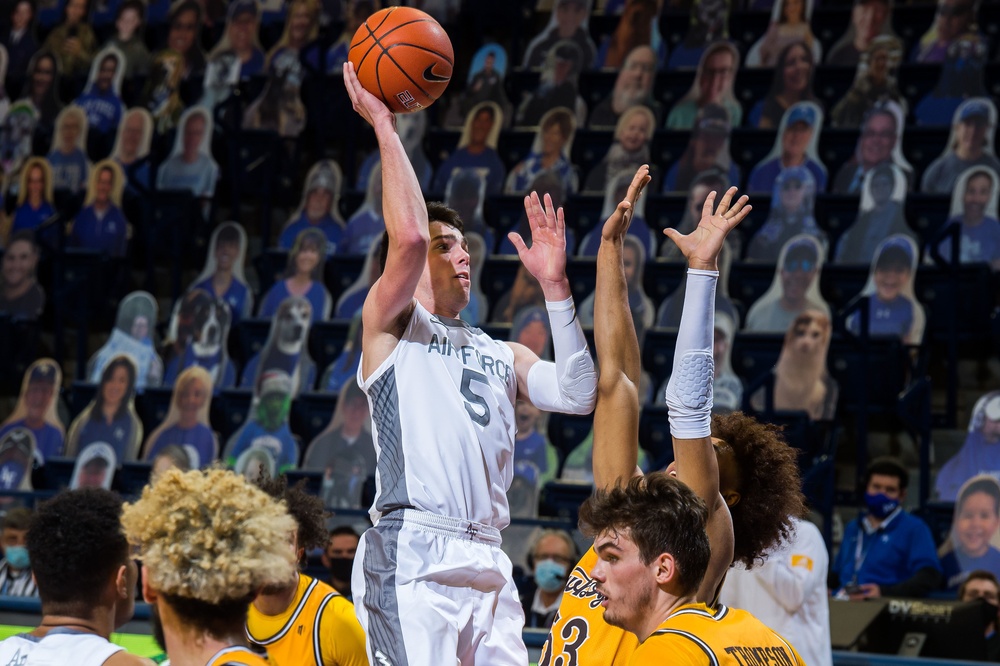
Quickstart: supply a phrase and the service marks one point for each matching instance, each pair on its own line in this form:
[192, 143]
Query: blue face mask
[17, 557]
[879, 505]
[550, 576]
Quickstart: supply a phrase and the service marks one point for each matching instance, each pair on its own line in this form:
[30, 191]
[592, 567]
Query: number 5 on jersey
[475, 404]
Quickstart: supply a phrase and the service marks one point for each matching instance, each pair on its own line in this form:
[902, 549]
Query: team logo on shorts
[407, 100]
[382, 659]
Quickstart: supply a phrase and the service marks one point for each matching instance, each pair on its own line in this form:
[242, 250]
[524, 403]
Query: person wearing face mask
[551, 557]
[15, 567]
[86, 580]
[984, 585]
[886, 552]
[338, 557]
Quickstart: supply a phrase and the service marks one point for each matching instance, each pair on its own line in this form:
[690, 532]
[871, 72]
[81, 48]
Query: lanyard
[861, 548]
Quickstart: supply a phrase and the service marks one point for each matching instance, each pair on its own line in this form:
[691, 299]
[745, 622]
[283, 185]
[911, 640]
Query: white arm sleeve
[570, 384]
[689, 391]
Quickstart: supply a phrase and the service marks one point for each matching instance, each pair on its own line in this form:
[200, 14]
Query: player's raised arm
[616, 417]
[689, 391]
[570, 384]
[405, 221]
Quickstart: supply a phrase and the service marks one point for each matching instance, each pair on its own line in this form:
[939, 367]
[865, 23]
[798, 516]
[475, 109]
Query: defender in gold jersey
[744, 472]
[303, 621]
[208, 541]
[653, 553]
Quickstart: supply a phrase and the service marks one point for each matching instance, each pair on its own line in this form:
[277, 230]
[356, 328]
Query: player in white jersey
[86, 582]
[431, 582]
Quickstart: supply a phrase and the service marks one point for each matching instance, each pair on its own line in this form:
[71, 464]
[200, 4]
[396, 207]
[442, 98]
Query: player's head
[759, 479]
[307, 511]
[446, 281]
[79, 556]
[209, 541]
[650, 540]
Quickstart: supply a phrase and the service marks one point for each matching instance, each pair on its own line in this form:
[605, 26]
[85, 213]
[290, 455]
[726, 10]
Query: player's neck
[426, 298]
[662, 606]
[101, 623]
[275, 601]
[192, 647]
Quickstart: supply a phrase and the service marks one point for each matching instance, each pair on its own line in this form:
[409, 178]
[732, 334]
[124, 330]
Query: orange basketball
[403, 56]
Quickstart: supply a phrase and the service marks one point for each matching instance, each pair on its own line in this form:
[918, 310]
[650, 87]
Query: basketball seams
[392, 79]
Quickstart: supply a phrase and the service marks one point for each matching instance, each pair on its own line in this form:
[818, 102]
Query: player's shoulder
[125, 658]
[672, 646]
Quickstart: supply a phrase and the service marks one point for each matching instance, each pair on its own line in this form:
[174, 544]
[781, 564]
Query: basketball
[404, 57]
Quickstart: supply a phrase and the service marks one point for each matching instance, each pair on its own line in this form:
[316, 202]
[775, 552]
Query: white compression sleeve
[570, 384]
[689, 391]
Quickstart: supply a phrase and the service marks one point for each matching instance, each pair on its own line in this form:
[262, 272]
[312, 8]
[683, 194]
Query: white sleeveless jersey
[442, 408]
[56, 649]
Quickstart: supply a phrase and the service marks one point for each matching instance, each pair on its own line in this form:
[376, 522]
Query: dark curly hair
[307, 510]
[769, 485]
[661, 515]
[76, 544]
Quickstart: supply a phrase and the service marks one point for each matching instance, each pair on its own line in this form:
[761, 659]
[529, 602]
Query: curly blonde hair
[210, 536]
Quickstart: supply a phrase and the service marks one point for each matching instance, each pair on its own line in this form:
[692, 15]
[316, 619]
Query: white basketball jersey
[442, 408]
[57, 649]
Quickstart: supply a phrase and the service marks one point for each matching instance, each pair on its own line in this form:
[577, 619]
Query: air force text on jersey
[466, 353]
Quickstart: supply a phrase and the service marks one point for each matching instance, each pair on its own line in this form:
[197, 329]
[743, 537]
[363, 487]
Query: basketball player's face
[448, 264]
[627, 584]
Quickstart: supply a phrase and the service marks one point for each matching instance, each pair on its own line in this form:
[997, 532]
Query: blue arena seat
[566, 431]
[327, 340]
[658, 353]
[311, 414]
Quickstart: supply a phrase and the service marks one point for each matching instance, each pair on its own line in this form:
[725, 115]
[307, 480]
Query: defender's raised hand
[546, 258]
[368, 106]
[617, 225]
[702, 246]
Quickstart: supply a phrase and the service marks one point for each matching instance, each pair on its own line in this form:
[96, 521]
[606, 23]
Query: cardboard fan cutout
[265, 441]
[880, 215]
[629, 151]
[16, 130]
[972, 545]
[801, 380]
[633, 86]
[303, 278]
[286, 349]
[223, 277]
[789, 25]
[319, 207]
[795, 288]
[796, 145]
[36, 410]
[477, 149]
[35, 200]
[713, 84]
[962, 76]
[973, 132]
[366, 225]
[709, 22]
[102, 98]
[68, 156]
[110, 418]
[344, 369]
[979, 454]
[792, 213]
[162, 96]
[344, 451]
[614, 193]
[95, 467]
[17, 453]
[130, 38]
[190, 165]
[484, 84]
[974, 210]
[640, 305]
[101, 224]
[868, 20]
[279, 107]
[199, 331]
[880, 140]
[568, 22]
[708, 148]
[550, 151]
[792, 84]
[893, 309]
[559, 86]
[133, 336]
[21, 296]
[953, 20]
[466, 195]
[353, 298]
[186, 425]
[876, 81]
